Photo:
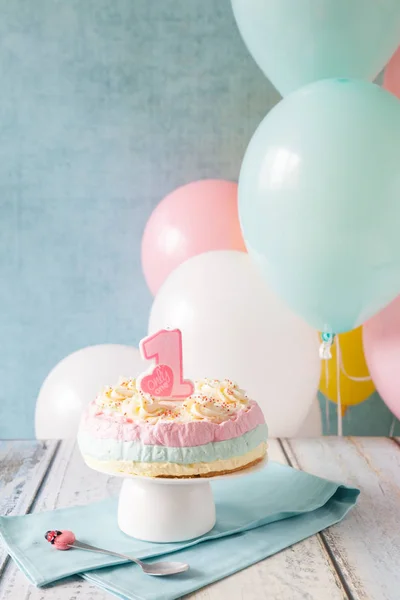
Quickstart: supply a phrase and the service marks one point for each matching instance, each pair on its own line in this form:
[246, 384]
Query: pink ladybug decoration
[61, 540]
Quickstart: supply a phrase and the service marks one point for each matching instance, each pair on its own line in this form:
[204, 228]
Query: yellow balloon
[353, 361]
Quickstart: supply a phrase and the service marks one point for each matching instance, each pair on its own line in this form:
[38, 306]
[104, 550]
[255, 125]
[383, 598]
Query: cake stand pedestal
[168, 510]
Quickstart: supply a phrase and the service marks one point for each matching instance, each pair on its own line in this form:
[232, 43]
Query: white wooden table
[356, 559]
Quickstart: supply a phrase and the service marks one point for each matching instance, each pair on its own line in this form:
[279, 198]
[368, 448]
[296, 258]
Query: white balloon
[75, 381]
[234, 327]
[312, 424]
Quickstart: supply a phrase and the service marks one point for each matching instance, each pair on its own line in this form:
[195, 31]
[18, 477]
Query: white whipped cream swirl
[128, 401]
[222, 390]
[201, 408]
[213, 400]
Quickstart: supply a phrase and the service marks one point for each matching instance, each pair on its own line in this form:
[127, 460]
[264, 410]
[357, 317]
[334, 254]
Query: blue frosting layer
[108, 449]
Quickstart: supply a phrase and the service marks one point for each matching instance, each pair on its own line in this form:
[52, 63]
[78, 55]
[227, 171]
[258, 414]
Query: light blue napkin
[257, 516]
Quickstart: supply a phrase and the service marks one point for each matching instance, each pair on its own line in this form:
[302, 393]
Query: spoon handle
[83, 546]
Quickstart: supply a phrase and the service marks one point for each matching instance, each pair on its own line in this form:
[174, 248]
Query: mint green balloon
[296, 42]
[319, 201]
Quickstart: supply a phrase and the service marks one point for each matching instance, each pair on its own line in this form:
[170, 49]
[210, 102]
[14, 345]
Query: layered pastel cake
[216, 430]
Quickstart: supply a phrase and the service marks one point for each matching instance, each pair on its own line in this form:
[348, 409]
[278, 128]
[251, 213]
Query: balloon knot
[325, 349]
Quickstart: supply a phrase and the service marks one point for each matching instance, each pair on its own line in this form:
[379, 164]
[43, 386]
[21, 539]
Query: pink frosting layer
[170, 433]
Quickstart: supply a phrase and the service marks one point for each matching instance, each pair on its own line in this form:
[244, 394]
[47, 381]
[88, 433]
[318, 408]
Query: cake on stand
[157, 507]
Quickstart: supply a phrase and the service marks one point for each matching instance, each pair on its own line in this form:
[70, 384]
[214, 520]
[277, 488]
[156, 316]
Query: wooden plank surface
[357, 559]
[366, 545]
[23, 466]
[69, 482]
[304, 571]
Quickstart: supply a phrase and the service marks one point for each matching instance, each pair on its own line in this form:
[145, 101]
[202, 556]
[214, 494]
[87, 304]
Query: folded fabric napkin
[257, 516]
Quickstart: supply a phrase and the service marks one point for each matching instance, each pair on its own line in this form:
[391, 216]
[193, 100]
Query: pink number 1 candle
[165, 380]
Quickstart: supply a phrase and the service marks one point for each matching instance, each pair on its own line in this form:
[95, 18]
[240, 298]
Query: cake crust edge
[127, 468]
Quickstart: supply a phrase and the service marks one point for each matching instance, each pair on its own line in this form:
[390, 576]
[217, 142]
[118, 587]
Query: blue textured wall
[105, 106]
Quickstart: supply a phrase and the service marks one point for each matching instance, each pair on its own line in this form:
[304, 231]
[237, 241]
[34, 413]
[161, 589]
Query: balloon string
[345, 373]
[391, 432]
[326, 372]
[341, 369]
[338, 398]
[327, 408]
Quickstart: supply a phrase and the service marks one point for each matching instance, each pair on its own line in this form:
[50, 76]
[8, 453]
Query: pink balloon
[391, 76]
[381, 337]
[193, 219]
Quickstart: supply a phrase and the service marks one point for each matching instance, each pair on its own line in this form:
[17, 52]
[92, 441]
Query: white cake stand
[168, 510]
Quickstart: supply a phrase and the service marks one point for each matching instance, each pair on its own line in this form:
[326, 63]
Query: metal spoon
[158, 569]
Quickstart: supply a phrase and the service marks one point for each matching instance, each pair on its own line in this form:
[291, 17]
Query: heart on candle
[159, 382]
